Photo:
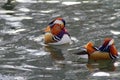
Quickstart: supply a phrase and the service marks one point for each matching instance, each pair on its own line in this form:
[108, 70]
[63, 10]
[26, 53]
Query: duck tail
[90, 47]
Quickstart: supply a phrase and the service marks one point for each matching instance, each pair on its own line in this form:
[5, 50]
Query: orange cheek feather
[56, 29]
[47, 29]
[89, 47]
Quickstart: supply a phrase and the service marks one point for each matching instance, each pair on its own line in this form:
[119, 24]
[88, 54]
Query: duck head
[56, 26]
[90, 47]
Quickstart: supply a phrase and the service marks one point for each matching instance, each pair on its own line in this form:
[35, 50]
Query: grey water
[24, 56]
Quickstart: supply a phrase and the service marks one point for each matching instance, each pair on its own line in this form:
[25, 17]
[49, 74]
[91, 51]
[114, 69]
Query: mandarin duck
[56, 33]
[106, 51]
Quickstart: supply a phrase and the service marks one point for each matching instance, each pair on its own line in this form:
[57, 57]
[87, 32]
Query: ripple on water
[29, 66]
[9, 77]
[24, 9]
[6, 11]
[101, 74]
[15, 24]
[14, 67]
[37, 52]
[54, 1]
[47, 11]
[70, 3]
[38, 39]
[28, 1]
[115, 32]
[19, 18]
[12, 31]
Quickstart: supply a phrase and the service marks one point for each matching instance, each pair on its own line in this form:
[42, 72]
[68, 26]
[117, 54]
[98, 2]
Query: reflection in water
[56, 53]
[101, 65]
[9, 5]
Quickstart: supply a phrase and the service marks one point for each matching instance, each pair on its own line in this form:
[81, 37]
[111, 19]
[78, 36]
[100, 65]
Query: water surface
[24, 56]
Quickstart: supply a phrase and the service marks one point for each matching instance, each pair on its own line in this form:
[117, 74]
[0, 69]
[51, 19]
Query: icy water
[24, 56]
